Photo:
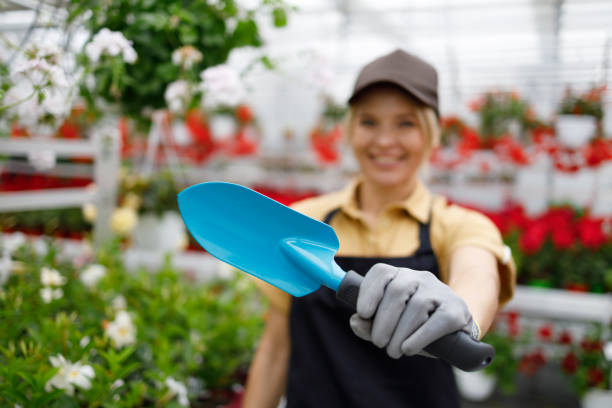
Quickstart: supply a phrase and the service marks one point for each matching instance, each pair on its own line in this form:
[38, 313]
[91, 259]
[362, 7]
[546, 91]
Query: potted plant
[153, 198]
[580, 116]
[589, 365]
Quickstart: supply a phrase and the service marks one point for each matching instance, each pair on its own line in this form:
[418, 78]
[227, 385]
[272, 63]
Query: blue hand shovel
[291, 251]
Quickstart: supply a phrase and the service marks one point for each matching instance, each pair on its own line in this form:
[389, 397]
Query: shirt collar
[417, 204]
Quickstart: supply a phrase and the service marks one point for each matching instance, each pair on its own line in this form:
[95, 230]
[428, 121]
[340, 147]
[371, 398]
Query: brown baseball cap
[409, 72]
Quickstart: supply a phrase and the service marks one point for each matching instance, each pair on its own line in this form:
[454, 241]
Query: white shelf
[561, 304]
[46, 199]
[59, 147]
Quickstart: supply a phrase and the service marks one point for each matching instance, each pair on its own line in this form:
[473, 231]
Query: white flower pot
[597, 399]
[475, 386]
[574, 131]
[165, 233]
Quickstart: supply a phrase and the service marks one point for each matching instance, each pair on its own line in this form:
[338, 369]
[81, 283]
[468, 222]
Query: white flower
[186, 56]
[51, 277]
[42, 160]
[40, 247]
[49, 294]
[92, 275]
[41, 96]
[69, 375]
[111, 43]
[179, 389]
[84, 341]
[119, 303]
[123, 220]
[121, 330]
[90, 212]
[6, 265]
[117, 383]
[222, 86]
[81, 375]
[177, 95]
[11, 242]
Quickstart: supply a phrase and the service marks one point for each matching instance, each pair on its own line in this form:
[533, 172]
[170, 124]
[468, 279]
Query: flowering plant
[79, 330]
[588, 103]
[498, 111]
[150, 45]
[326, 135]
[153, 194]
[562, 247]
[38, 94]
[588, 364]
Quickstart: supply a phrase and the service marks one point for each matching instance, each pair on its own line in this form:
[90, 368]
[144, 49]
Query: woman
[430, 268]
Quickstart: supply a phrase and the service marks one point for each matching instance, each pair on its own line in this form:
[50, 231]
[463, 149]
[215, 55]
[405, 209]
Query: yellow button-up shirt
[397, 233]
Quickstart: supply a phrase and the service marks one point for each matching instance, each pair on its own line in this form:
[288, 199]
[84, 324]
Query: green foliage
[157, 193]
[156, 29]
[497, 110]
[64, 221]
[505, 364]
[201, 332]
[589, 103]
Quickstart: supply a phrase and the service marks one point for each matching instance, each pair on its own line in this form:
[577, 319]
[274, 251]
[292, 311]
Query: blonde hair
[427, 120]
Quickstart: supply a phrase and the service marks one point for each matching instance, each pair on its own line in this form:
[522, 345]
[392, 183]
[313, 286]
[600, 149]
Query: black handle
[458, 348]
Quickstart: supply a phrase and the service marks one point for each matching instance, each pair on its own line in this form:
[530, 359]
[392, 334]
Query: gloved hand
[405, 310]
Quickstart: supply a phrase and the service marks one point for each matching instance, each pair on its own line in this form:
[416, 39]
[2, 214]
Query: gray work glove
[405, 310]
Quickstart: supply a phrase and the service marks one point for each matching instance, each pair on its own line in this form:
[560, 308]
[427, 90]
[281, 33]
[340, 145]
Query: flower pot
[163, 233]
[597, 399]
[574, 131]
[474, 386]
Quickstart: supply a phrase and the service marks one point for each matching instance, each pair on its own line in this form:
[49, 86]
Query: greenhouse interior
[280, 203]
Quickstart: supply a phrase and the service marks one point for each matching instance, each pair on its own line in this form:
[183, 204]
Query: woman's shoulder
[318, 207]
[451, 215]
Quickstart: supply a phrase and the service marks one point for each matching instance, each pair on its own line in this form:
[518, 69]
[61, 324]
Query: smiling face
[386, 137]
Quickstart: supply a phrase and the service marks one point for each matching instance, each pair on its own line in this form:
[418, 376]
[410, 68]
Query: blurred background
[109, 108]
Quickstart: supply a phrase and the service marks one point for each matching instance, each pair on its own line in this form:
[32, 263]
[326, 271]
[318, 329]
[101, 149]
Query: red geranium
[570, 363]
[591, 345]
[590, 232]
[565, 338]
[595, 376]
[244, 114]
[545, 332]
[563, 238]
[533, 238]
[530, 363]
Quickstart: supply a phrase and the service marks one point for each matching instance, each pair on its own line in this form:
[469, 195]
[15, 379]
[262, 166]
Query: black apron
[331, 367]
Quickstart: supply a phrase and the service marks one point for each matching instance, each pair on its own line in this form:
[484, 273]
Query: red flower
[469, 141]
[565, 338]
[594, 376]
[590, 233]
[533, 238]
[513, 317]
[516, 217]
[545, 332]
[591, 345]
[530, 363]
[476, 104]
[570, 363]
[244, 114]
[577, 287]
[563, 238]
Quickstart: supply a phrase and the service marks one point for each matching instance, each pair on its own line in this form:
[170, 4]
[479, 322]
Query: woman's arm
[268, 373]
[474, 277]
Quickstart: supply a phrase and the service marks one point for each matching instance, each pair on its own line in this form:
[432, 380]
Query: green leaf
[188, 34]
[279, 16]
